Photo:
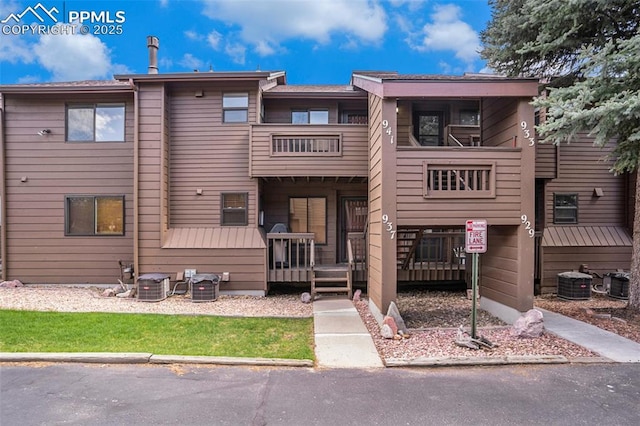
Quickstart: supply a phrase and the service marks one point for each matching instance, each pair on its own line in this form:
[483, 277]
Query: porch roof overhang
[312, 179]
[586, 236]
[226, 237]
[390, 85]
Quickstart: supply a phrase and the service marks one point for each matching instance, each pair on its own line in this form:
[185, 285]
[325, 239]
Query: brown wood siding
[546, 161]
[415, 210]
[599, 259]
[500, 126]
[499, 266]
[279, 110]
[199, 152]
[375, 203]
[275, 198]
[582, 169]
[209, 155]
[37, 249]
[352, 161]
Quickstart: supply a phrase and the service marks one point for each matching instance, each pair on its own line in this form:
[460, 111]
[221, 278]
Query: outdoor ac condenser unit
[153, 287]
[204, 287]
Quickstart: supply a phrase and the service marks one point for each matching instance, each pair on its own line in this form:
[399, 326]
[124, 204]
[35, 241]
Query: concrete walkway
[342, 339]
[602, 342]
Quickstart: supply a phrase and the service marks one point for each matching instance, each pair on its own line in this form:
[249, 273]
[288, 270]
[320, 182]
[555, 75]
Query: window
[234, 209]
[565, 208]
[309, 215]
[428, 128]
[313, 116]
[88, 215]
[469, 117]
[235, 107]
[95, 123]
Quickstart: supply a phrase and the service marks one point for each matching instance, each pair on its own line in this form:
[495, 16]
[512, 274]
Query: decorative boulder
[529, 325]
[395, 314]
[387, 332]
[108, 293]
[305, 297]
[391, 323]
[11, 284]
[356, 295]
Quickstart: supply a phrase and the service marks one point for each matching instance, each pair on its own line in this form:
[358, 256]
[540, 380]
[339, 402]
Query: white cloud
[270, 23]
[447, 31]
[192, 35]
[237, 52]
[75, 57]
[191, 62]
[214, 38]
[164, 3]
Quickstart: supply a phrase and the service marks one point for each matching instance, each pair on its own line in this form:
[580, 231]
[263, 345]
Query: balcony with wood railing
[309, 150]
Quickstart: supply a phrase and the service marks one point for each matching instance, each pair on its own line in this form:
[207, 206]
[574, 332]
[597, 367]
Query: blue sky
[314, 41]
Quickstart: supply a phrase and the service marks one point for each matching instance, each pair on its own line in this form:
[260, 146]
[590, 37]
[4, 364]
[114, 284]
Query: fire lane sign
[476, 236]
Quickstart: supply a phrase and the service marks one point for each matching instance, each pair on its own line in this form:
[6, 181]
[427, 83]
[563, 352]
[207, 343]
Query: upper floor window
[565, 208]
[234, 209]
[428, 127]
[95, 123]
[89, 215]
[312, 116]
[235, 107]
[469, 117]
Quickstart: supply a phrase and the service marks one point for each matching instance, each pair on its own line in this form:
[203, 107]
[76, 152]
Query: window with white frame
[235, 107]
[96, 123]
[94, 215]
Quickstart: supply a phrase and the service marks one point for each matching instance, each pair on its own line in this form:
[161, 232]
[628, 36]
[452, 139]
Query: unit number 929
[527, 225]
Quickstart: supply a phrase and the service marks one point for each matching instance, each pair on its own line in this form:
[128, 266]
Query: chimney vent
[153, 43]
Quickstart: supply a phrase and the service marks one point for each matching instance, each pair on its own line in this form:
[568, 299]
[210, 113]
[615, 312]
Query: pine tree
[588, 54]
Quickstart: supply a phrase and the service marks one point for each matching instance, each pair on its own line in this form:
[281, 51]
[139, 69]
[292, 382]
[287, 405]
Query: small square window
[94, 215]
[469, 117]
[235, 107]
[234, 209]
[565, 208]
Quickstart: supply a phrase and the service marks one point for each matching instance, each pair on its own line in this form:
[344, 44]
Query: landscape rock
[305, 297]
[386, 332]
[11, 284]
[125, 294]
[391, 323]
[395, 314]
[108, 293]
[356, 295]
[529, 325]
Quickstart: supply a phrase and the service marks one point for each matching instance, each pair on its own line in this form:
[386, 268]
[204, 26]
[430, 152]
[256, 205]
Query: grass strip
[34, 331]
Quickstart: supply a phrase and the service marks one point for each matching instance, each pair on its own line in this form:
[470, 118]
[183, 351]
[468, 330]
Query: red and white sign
[476, 236]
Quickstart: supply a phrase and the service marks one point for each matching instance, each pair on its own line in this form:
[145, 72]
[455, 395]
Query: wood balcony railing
[290, 257]
[310, 150]
[453, 179]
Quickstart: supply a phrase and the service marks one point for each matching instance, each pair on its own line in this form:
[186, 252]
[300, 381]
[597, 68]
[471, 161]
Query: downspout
[3, 196]
[136, 144]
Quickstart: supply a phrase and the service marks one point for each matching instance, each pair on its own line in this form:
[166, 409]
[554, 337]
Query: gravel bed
[433, 319]
[89, 299]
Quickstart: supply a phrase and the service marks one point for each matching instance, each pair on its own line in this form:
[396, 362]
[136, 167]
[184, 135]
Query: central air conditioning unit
[574, 286]
[204, 287]
[153, 287]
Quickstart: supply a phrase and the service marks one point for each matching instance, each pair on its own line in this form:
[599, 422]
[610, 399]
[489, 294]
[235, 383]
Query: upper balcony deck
[309, 150]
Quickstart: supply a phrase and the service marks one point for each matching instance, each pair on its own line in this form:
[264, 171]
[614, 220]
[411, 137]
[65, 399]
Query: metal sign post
[475, 243]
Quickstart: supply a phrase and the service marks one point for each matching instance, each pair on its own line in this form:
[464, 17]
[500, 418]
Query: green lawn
[28, 331]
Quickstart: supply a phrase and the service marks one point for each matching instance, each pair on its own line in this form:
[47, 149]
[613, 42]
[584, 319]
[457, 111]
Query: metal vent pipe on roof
[153, 44]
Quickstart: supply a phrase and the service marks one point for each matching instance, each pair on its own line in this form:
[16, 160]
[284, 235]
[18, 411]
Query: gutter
[3, 194]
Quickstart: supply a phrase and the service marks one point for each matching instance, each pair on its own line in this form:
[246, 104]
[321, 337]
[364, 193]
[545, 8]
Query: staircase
[331, 278]
[408, 240]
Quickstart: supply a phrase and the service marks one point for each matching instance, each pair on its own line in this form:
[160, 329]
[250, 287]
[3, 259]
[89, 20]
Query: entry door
[354, 216]
[428, 127]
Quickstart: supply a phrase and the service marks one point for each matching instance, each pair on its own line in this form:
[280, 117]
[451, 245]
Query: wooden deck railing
[451, 179]
[306, 145]
[290, 256]
[439, 256]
